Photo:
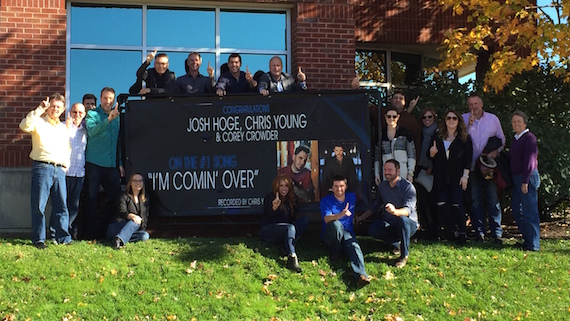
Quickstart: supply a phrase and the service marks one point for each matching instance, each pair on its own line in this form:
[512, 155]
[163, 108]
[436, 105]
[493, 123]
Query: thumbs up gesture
[210, 70]
[301, 75]
[433, 150]
[276, 202]
[248, 75]
[114, 112]
[346, 211]
[151, 56]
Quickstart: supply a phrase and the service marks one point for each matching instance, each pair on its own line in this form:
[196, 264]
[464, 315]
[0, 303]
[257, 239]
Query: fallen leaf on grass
[272, 277]
[193, 264]
[388, 275]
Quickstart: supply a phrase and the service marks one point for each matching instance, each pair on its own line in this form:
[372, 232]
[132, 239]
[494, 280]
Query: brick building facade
[324, 36]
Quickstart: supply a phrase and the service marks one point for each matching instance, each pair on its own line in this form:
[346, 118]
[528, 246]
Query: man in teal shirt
[102, 163]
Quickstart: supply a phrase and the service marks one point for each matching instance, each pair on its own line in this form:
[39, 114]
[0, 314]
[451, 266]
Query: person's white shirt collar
[517, 136]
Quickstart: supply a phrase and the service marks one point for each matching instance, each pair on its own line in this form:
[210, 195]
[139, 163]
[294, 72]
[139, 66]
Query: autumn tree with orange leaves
[517, 34]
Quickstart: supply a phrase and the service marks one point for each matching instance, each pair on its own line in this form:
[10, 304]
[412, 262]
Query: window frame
[144, 48]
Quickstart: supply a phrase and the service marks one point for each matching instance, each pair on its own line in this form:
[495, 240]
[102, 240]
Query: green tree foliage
[543, 97]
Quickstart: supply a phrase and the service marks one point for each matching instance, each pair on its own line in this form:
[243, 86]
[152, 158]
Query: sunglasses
[427, 117]
[392, 116]
[451, 117]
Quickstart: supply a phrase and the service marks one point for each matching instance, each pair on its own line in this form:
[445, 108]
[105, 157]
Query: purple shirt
[524, 156]
[481, 130]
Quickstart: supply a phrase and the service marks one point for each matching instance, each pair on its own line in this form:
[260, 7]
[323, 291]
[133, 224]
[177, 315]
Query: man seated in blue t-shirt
[338, 233]
[235, 80]
[396, 204]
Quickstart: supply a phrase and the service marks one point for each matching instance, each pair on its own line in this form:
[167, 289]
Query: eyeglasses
[427, 117]
[392, 116]
[451, 117]
[77, 112]
[137, 181]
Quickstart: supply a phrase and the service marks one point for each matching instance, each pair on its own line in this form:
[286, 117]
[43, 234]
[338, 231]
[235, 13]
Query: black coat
[127, 205]
[449, 170]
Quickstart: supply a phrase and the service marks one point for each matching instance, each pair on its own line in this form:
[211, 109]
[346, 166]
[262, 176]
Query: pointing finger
[346, 208]
[246, 69]
[300, 69]
[154, 52]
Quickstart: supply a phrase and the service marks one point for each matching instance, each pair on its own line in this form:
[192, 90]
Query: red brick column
[322, 43]
[32, 66]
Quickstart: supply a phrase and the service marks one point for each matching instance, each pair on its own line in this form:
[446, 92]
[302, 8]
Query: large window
[107, 43]
[386, 69]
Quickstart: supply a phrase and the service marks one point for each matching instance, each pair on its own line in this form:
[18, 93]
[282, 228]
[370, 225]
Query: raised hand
[210, 70]
[276, 202]
[433, 150]
[300, 75]
[114, 112]
[68, 120]
[151, 56]
[413, 104]
[346, 211]
[45, 103]
[471, 118]
[248, 75]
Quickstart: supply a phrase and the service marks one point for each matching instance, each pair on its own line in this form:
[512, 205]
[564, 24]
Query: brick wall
[402, 21]
[32, 66]
[324, 35]
[323, 44]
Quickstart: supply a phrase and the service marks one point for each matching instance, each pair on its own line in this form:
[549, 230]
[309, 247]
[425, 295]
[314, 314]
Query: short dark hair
[107, 89]
[520, 113]
[395, 162]
[338, 178]
[160, 55]
[89, 96]
[233, 56]
[302, 148]
[392, 108]
[398, 92]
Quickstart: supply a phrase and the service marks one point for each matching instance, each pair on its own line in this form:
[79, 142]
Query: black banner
[210, 155]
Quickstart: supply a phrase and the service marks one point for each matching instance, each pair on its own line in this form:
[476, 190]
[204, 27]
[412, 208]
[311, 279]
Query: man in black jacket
[159, 80]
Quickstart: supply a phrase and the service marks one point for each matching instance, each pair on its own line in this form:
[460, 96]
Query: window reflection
[106, 26]
[91, 70]
[253, 30]
[371, 66]
[405, 68]
[180, 28]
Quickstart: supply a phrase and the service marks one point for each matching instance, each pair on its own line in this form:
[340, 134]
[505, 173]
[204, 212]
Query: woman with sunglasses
[451, 150]
[424, 180]
[397, 143]
[132, 214]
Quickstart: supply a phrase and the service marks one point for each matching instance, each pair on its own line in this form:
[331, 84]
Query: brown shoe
[401, 262]
[363, 280]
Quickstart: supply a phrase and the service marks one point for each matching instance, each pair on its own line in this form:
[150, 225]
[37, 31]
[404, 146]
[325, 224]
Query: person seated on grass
[338, 232]
[396, 204]
[132, 215]
[280, 223]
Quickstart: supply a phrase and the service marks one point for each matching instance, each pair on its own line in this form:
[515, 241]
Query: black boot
[293, 264]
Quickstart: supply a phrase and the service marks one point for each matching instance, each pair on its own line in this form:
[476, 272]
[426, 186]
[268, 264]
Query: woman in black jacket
[451, 152]
[132, 214]
[280, 224]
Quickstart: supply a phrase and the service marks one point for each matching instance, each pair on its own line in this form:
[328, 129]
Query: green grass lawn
[244, 279]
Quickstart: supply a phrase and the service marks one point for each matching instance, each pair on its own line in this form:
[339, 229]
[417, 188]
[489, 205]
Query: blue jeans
[48, 182]
[127, 231]
[337, 239]
[478, 185]
[74, 187]
[108, 177]
[285, 232]
[525, 210]
[399, 230]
